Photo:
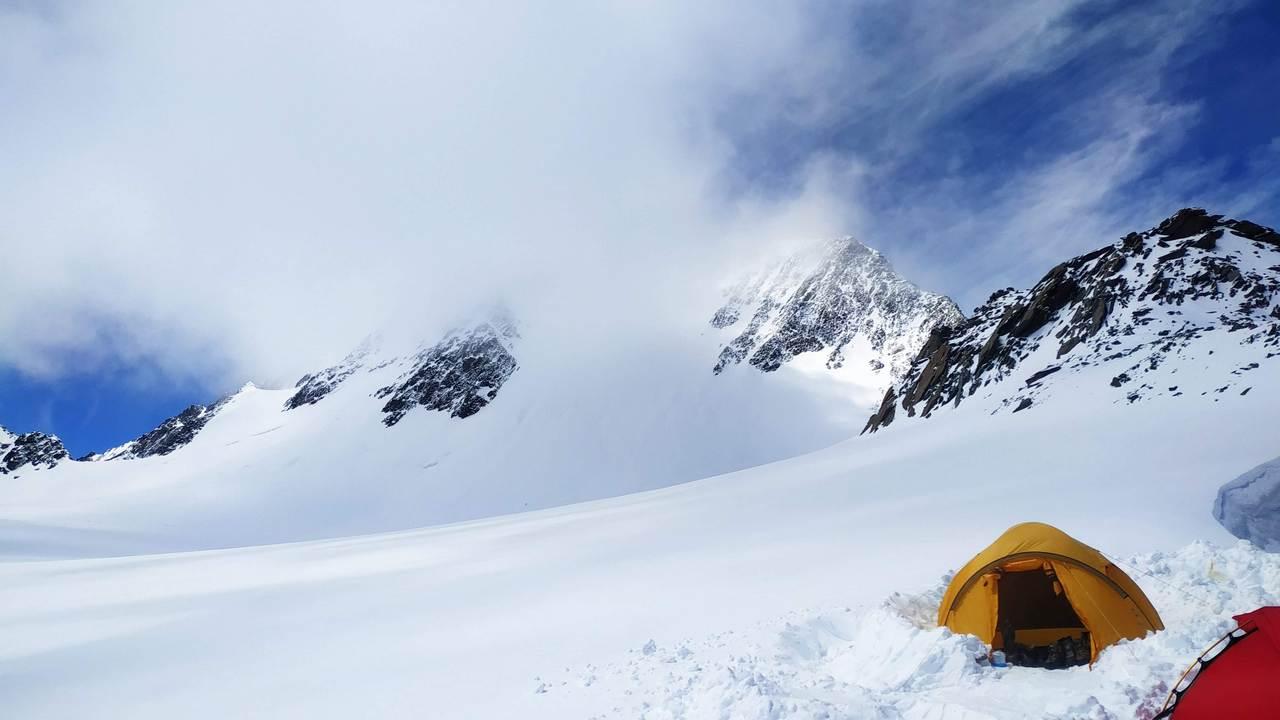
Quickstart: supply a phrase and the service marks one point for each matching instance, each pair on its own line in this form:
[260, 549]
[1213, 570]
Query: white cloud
[246, 189]
[1115, 171]
[242, 187]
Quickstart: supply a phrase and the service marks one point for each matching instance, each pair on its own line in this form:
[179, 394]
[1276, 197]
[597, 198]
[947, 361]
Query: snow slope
[560, 431]
[472, 619]
[725, 597]
[493, 418]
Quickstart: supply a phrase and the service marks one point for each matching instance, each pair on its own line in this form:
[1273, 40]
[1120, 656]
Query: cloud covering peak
[231, 190]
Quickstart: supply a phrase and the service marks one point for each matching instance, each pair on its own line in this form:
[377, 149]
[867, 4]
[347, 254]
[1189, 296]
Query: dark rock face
[35, 450]
[1091, 310]
[1187, 222]
[173, 433]
[459, 375]
[884, 415]
[313, 387]
[725, 317]
[1253, 231]
[1043, 374]
[168, 436]
[826, 300]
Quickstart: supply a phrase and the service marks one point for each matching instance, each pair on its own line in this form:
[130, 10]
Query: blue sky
[189, 218]
[93, 411]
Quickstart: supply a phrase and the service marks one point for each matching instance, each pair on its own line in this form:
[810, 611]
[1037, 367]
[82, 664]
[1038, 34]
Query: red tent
[1238, 677]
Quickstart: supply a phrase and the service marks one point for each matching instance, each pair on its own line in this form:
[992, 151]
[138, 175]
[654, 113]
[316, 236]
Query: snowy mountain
[493, 417]
[840, 298]
[1188, 308]
[802, 586]
[793, 590]
[459, 375]
[170, 435]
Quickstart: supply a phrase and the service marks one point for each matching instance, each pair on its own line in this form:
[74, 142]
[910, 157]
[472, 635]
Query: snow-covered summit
[459, 374]
[1186, 308]
[840, 298]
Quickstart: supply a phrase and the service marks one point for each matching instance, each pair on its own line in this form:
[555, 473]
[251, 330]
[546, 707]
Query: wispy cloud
[233, 189]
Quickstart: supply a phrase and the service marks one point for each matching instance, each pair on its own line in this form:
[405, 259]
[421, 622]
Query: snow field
[891, 661]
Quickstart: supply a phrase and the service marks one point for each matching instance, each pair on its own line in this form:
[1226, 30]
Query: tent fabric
[1240, 681]
[1108, 602]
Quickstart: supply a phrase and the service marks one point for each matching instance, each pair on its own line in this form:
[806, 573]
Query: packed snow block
[1249, 506]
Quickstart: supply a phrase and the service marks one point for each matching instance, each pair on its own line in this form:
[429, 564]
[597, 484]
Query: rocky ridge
[826, 300]
[168, 436]
[460, 375]
[35, 450]
[1133, 304]
[313, 387]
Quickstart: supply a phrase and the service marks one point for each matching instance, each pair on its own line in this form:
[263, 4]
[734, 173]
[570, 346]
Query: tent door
[1033, 611]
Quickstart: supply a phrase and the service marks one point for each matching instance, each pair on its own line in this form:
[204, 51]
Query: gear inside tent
[1045, 599]
[1234, 678]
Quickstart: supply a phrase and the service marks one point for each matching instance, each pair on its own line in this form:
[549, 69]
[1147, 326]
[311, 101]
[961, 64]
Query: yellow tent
[1041, 584]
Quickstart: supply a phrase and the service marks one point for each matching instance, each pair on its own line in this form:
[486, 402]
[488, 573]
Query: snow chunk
[1249, 506]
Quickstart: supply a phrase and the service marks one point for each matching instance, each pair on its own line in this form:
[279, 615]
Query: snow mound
[1249, 506]
[890, 662]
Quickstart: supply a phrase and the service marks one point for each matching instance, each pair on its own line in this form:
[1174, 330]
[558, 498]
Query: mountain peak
[840, 297]
[1143, 305]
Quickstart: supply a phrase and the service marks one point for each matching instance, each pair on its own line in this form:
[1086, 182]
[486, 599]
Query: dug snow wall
[1249, 506]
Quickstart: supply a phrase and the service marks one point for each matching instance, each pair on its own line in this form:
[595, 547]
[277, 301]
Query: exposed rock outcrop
[168, 436]
[1121, 303]
[34, 450]
[459, 375]
[313, 387]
